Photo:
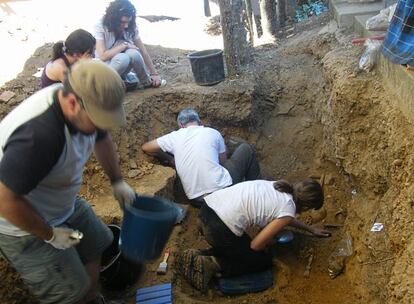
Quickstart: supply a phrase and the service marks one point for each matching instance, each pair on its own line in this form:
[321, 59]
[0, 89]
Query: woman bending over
[230, 213]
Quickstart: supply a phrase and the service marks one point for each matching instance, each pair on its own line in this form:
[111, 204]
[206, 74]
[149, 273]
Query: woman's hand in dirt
[319, 232]
[155, 80]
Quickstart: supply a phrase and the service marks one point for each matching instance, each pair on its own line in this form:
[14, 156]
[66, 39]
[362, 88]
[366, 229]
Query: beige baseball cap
[102, 92]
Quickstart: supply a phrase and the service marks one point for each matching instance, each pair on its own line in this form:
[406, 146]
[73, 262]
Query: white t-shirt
[249, 204]
[196, 152]
[101, 32]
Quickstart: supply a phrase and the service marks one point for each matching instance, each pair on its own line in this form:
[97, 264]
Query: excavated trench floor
[274, 110]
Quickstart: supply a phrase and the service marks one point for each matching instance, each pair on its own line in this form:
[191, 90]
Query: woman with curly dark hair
[118, 44]
[79, 44]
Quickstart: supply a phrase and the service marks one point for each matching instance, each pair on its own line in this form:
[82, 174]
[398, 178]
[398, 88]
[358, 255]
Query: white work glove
[123, 193]
[64, 238]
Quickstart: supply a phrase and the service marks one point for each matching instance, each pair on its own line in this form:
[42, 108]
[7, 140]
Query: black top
[45, 81]
[34, 148]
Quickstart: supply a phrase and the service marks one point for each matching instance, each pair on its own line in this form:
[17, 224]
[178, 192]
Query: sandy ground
[309, 113]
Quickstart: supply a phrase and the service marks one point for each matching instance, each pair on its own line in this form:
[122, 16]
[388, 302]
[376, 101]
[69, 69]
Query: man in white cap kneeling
[49, 234]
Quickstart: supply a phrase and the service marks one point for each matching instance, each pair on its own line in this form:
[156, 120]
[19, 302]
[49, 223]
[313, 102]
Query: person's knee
[64, 289]
[135, 56]
[120, 62]
[246, 147]
[80, 290]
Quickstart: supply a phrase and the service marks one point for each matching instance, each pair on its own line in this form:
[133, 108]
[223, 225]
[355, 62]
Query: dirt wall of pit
[370, 140]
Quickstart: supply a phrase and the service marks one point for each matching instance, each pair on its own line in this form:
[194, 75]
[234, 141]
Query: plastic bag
[392, 11]
[380, 22]
[336, 261]
[368, 58]
[182, 212]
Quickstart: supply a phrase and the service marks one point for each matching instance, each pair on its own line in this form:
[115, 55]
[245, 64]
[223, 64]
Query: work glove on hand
[123, 193]
[64, 238]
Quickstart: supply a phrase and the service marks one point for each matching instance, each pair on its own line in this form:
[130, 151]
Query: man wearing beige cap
[50, 235]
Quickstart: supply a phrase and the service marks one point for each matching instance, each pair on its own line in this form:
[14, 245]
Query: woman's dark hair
[306, 194]
[114, 12]
[78, 42]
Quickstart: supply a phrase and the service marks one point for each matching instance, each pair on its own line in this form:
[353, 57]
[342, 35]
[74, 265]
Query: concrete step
[359, 26]
[344, 12]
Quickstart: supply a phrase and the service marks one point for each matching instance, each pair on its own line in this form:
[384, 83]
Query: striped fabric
[398, 46]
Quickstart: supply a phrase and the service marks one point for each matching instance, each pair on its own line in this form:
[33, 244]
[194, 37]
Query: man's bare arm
[152, 148]
[17, 211]
[107, 157]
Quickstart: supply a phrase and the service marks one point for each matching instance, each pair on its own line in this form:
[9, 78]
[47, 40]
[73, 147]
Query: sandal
[185, 260]
[202, 271]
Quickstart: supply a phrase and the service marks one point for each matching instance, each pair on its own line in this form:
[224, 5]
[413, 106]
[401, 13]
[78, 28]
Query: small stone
[397, 162]
[133, 173]
[6, 96]
[133, 164]
[329, 179]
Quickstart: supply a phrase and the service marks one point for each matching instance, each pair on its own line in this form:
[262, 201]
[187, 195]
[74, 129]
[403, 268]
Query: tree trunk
[236, 48]
[291, 8]
[207, 11]
[250, 25]
[268, 19]
[281, 12]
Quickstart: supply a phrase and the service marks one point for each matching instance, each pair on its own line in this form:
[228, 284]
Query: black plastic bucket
[117, 272]
[207, 66]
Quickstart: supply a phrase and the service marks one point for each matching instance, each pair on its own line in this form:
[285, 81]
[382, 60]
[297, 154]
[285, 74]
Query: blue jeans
[129, 60]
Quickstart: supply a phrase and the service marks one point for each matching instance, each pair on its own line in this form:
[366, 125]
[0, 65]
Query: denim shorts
[53, 275]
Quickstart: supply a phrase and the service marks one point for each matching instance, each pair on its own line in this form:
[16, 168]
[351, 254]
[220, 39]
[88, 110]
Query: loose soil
[308, 112]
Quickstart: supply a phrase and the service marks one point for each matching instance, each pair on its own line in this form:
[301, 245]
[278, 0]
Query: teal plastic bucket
[146, 227]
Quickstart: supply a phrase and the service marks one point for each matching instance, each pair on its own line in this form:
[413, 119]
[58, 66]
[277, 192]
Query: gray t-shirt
[101, 32]
[42, 157]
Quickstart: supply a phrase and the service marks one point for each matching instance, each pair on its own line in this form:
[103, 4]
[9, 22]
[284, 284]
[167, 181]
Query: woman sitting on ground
[79, 44]
[229, 214]
[118, 44]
